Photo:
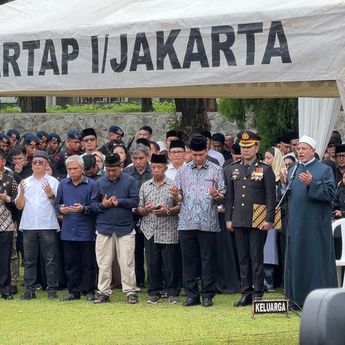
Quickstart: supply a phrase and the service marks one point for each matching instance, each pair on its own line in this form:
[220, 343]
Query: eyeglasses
[88, 140]
[177, 152]
[38, 162]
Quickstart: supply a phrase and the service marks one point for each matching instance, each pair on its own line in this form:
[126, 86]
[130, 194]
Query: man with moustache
[249, 181]
[113, 198]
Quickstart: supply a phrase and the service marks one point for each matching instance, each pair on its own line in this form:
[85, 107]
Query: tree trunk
[146, 105]
[32, 104]
[211, 105]
[194, 115]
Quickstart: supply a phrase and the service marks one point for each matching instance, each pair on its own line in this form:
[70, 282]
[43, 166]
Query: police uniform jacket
[245, 187]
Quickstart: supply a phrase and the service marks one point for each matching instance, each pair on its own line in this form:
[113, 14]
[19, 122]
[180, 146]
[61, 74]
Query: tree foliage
[272, 117]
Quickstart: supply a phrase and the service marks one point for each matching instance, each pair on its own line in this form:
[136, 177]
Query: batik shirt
[9, 185]
[198, 208]
[163, 228]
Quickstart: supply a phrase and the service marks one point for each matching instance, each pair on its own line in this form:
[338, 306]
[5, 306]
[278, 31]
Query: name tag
[270, 307]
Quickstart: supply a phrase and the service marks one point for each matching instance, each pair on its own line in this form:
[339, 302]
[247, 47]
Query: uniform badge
[235, 175]
[257, 174]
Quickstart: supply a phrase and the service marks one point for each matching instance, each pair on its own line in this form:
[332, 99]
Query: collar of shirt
[114, 181]
[152, 181]
[132, 170]
[307, 163]
[39, 179]
[171, 166]
[206, 165]
[84, 180]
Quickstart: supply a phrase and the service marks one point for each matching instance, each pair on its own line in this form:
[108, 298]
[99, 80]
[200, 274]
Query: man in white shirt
[39, 225]
[176, 153]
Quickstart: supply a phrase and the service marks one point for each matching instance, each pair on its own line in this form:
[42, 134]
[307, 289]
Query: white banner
[78, 47]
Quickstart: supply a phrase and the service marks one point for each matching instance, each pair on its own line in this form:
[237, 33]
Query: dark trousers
[43, 242]
[80, 260]
[250, 248]
[6, 238]
[198, 249]
[139, 258]
[163, 257]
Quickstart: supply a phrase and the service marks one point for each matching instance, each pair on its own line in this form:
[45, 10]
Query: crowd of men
[91, 217]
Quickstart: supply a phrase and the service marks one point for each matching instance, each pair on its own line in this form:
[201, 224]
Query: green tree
[272, 117]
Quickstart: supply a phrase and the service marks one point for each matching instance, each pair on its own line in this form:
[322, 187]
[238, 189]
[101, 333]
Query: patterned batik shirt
[198, 208]
[163, 228]
[9, 185]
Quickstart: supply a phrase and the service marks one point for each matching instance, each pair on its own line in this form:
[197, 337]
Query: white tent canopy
[163, 48]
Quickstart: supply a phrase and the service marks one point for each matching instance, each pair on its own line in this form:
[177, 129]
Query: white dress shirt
[217, 155]
[38, 211]
[172, 171]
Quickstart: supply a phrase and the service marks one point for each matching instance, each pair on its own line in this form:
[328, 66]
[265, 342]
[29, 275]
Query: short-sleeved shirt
[163, 228]
[198, 208]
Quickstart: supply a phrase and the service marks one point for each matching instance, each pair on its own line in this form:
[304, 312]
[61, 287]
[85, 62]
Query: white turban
[308, 140]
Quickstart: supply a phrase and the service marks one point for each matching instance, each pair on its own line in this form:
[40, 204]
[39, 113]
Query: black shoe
[174, 299]
[153, 299]
[6, 297]
[243, 301]
[207, 302]
[257, 298]
[90, 297]
[13, 290]
[132, 298]
[101, 299]
[163, 294]
[69, 297]
[52, 295]
[28, 295]
[189, 302]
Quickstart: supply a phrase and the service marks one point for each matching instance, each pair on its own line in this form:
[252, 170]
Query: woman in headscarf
[274, 158]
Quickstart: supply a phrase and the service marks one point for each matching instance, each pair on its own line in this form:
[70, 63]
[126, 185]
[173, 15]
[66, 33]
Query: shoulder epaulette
[235, 162]
[262, 162]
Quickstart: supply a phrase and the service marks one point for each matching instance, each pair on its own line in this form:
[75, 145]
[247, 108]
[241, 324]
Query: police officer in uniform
[115, 135]
[249, 181]
[73, 147]
[53, 144]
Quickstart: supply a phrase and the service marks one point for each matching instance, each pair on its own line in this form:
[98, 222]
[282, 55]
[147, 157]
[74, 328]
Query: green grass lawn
[43, 321]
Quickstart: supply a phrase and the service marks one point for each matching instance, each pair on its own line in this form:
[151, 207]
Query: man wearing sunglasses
[39, 225]
[89, 140]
